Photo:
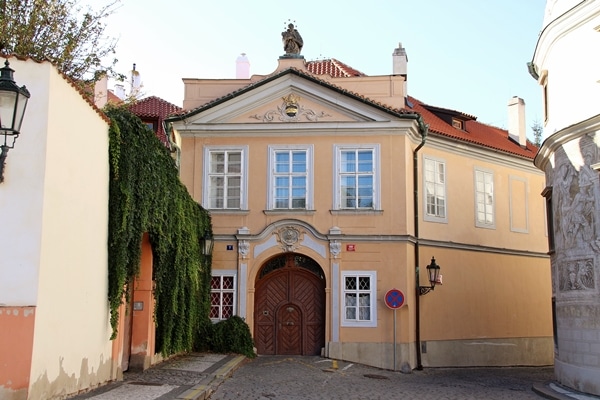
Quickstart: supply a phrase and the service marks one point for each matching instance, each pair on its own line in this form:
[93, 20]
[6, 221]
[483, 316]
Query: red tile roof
[475, 132]
[332, 67]
[113, 98]
[153, 107]
[156, 109]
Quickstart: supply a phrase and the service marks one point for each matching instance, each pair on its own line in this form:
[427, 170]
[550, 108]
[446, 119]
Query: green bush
[229, 336]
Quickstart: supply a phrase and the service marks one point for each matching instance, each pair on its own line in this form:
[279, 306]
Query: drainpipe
[424, 130]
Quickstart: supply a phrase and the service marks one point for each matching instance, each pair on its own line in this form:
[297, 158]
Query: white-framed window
[359, 298]
[357, 177]
[484, 198]
[457, 123]
[222, 295]
[225, 178]
[291, 180]
[434, 182]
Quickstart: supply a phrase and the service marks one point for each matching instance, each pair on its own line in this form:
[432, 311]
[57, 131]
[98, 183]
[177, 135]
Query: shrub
[229, 336]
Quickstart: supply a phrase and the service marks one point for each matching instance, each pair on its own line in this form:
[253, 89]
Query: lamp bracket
[423, 290]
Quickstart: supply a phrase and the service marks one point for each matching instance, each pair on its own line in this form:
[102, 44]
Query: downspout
[424, 129]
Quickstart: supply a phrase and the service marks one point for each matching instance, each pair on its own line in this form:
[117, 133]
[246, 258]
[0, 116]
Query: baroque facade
[329, 188]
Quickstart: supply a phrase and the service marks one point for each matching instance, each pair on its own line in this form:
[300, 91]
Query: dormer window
[457, 123]
[151, 125]
[453, 118]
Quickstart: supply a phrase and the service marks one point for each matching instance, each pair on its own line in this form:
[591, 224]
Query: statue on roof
[292, 41]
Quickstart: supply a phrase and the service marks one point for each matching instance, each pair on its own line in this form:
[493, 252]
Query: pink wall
[16, 344]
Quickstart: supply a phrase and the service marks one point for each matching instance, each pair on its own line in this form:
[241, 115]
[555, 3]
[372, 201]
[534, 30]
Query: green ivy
[146, 196]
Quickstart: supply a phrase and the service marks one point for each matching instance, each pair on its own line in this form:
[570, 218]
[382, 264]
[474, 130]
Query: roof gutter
[424, 129]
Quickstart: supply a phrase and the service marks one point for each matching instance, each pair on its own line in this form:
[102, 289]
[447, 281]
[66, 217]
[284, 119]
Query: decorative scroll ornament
[335, 247]
[290, 111]
[289, 237]
[243, 248]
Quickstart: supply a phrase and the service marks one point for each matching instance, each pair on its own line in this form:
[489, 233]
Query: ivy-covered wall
[146, 195]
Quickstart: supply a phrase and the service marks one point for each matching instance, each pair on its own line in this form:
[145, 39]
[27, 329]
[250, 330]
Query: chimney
[101, 92]
[400, 61]
[242, 67]
[136, 83]
[400, 67]
[120, 91]
[516, 121]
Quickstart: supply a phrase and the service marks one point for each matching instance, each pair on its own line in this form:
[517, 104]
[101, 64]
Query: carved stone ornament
[289, 237]
[335, 247]
[290, 111]
[243, 248]
[577, 275]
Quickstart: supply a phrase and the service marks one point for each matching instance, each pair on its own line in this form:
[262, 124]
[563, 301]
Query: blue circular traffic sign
[394, 299]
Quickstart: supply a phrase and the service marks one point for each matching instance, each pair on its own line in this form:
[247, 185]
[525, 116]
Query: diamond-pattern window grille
[222, 297]
[357, 298]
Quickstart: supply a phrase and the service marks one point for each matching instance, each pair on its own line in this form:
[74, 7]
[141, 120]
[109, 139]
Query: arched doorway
[289, 307]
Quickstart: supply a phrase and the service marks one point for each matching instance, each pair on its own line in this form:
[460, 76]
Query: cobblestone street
[291, 378]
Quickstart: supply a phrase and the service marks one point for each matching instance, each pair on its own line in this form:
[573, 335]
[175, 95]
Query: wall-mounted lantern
[207, 243]
[13, 101]
[433, 273]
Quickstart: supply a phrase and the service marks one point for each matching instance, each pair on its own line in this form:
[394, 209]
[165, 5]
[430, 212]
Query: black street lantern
[433, 273]
[13, 101]
[206, 244]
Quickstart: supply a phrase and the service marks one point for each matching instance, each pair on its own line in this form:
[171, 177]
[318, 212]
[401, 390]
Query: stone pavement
[193, 376]
[226, 377]
[295, 378]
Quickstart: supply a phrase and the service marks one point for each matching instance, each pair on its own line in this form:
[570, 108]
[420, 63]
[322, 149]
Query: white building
[54, 317]
[566, 63]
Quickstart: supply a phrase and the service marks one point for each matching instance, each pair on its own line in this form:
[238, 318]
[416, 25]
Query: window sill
[362, 324]
[356, 212]
[214, 211]
[289, 211]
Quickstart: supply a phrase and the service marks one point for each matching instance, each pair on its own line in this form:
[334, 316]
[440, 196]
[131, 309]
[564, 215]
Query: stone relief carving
[577, 275]
[290, 111]
[335, 247]
[243, 248]
[288, 238]
[577, 195]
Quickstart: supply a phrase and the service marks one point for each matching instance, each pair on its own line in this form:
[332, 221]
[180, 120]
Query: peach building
[330, 189]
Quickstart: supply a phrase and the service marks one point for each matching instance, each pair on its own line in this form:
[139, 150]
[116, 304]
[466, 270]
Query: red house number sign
[350, 247]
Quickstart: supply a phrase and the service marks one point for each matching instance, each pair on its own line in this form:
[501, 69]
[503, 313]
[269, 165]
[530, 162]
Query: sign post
[394, 299]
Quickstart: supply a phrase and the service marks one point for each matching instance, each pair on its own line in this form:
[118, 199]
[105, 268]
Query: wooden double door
[289, 311]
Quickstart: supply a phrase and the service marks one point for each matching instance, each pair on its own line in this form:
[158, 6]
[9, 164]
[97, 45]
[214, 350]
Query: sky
[466, 55]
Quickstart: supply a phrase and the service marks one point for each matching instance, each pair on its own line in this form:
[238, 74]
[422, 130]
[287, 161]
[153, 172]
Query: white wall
[567, 50]
[21, 193]
[57, 181]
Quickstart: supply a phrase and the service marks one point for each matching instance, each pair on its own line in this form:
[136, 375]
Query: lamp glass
[7, 109]
[20, 111]
[434, 271]
[207, 245]
[13, 101]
